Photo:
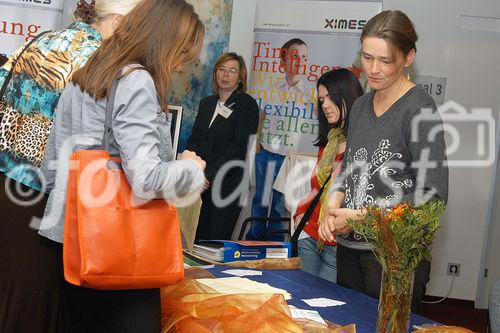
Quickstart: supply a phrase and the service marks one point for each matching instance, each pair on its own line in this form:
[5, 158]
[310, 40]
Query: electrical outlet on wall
[453, 269]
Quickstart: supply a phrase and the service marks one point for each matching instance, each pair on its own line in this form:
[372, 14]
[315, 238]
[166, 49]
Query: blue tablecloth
[359, 309]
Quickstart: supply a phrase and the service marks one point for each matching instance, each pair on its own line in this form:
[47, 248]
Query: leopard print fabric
[32, 94]
[24, 135]
[2, 107]
[8, 128]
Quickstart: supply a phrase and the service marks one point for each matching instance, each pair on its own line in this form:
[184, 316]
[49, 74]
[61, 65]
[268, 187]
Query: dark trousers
[217, 222]
[29, 284]
[360, 270]
[85, 310]
[109, 311]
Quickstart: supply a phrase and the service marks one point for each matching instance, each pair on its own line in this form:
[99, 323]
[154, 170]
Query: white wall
[491, 247]
[68, 9]
[242, 23]
[469, 59]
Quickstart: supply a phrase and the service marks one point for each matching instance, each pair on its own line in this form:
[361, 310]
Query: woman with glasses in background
[221, 133]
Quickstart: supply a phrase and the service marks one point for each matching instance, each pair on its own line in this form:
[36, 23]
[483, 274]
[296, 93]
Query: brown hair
[160, 35]
[395, 28]
[286, 47]
[85, 11]
[242, 85]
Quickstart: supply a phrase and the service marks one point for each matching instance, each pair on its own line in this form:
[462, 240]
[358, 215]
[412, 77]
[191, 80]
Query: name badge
[225, 111]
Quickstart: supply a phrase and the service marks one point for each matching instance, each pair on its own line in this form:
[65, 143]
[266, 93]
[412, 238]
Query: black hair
[3, 59]
[343, 88]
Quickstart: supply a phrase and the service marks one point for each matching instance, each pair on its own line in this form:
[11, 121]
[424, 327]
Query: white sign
[324, 35]
[315, 16]
[22, 20]
[433, 85]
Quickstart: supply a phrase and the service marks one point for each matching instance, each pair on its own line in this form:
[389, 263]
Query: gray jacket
[140, 137]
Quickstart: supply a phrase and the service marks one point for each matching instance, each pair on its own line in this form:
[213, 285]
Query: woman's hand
[336, 222]
[206, 185]
[191, 155]
[340, 219]
[326, 230]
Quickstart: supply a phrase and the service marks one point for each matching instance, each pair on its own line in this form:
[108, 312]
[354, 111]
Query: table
[359, 309]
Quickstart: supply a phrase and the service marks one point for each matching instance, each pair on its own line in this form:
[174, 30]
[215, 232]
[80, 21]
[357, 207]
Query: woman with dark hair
[337, 91]
[221, 132]
[386, 160]
[159, 37]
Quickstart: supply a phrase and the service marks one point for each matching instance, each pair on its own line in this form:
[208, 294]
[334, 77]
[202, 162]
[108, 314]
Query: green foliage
[401, 236]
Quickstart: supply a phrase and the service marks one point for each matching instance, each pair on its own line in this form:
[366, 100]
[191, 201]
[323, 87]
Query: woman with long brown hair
[158, 38]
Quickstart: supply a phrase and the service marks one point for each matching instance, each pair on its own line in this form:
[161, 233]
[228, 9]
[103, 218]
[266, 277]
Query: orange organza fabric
[443, 329]
[189, 306]
[313, 327]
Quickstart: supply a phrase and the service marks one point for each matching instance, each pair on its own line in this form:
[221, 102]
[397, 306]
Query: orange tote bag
[112, 241]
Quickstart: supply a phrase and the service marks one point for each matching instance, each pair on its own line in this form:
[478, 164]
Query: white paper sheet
[307, 314]
[322, 302]
[242, 272]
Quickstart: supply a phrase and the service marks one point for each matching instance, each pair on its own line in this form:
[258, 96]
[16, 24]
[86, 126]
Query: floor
[457, 313]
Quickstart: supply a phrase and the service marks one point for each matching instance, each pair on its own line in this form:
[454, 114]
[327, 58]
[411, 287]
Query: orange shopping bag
[111, 241]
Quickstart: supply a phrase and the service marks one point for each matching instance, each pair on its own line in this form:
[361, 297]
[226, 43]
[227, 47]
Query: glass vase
[394, 305]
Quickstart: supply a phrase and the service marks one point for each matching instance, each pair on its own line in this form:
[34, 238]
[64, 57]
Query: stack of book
[227, 251]
[195, 262]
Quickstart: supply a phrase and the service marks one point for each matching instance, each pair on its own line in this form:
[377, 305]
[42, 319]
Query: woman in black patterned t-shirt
[385, 163]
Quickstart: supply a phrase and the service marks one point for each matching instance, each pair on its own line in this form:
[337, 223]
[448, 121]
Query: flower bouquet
[401, 237]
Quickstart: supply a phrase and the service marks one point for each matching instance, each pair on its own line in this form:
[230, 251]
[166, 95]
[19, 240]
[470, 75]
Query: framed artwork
[187, 90]
[174, 117]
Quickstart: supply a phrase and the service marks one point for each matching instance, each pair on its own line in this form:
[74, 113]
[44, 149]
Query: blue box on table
[227, 251]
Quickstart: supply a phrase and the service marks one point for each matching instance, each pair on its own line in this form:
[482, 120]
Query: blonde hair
[104, 8]
[160, 35]
[242, 73]
[98, 10]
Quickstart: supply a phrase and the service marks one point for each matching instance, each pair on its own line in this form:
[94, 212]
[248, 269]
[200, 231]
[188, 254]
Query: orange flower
[399, 210]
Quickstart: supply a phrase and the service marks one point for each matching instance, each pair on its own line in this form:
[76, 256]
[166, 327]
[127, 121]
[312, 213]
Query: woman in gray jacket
[156, 39]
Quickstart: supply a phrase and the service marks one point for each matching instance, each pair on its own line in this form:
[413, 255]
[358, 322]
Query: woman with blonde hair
[224, 124]
[32, 81]
[159, 37]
